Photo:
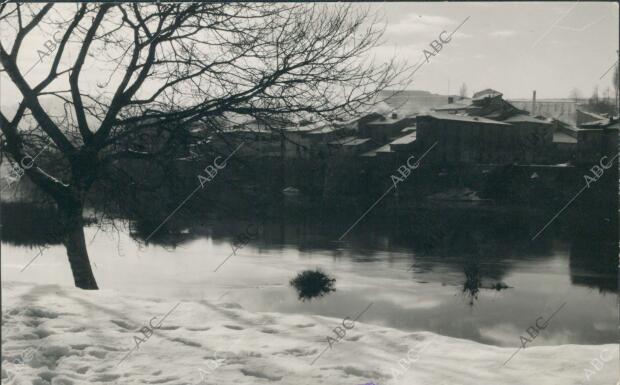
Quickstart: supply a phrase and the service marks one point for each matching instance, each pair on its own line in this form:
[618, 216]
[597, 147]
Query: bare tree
[171, 65]
[576, 94]
[617, 85]
[463, 90]
[608, 95]
[594, 98]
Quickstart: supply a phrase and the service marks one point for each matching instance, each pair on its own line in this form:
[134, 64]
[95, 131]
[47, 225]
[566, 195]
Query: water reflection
[143, 232]
[474, 282]
[483, 246]
[456, 258]
[594, 253]
[25, 224]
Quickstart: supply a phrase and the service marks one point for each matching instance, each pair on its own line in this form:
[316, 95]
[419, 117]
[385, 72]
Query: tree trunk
[75, 243]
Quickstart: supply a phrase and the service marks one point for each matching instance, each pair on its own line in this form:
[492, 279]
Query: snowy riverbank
[60, 336]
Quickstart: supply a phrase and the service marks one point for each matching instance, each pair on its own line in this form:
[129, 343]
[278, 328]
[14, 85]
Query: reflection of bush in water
[473, 282]
[28, 224]
[313, 283]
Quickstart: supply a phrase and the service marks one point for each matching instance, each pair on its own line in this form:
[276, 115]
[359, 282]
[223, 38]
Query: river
[478, 278]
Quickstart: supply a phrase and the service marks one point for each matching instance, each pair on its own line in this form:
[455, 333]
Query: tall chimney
[534, 103]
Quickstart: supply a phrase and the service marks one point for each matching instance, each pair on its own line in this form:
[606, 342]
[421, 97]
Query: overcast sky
[514, 48]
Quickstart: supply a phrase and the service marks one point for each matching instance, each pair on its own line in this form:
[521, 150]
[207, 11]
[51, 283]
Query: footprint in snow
[98, 353]
[82, 370]
[122, 324]
[111, 348]
[353, 371]
[40, 313]
[162, 380]
[168, 327]
[33, 322]
[299, 352]
[42, 333]
[305, 325]
[187, 342]
[108, 377]
[260, 374]
[198, 329]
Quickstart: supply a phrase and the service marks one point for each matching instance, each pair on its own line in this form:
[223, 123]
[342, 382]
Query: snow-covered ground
[60, 335]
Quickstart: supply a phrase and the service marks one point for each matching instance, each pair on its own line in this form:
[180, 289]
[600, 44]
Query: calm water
[433, 270]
